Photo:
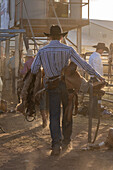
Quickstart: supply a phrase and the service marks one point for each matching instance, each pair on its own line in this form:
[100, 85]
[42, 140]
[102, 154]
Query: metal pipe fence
[103, 99]
[105, 65]
[107, 69]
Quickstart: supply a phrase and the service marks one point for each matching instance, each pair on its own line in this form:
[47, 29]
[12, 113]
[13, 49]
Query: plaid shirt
[55, 56]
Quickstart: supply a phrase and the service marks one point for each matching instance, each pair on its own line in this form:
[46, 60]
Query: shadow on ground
[26, 146]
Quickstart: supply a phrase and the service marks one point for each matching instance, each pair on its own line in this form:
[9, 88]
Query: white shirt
[96, 62]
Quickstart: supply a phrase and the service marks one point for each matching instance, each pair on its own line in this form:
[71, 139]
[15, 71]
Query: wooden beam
[36, 43]
[7, 38]
[12, 30]
[8, 35]
[3, 39]
[43, 38]
[71, 42]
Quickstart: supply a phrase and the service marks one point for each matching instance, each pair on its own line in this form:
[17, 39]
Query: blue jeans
[43, 103]
[56, 96]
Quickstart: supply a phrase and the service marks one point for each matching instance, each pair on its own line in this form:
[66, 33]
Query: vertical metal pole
[90, 113]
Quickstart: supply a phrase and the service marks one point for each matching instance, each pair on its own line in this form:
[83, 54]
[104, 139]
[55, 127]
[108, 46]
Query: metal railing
[110, 81]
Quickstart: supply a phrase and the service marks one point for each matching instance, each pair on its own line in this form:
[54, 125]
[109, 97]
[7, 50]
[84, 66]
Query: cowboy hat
[55, 30]
[101, 46]
[29, 53]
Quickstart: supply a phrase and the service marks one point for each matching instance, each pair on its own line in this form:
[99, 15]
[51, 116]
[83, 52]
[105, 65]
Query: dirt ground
[26, 146]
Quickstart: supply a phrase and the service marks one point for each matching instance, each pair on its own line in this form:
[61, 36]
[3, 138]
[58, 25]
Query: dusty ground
[26, 146]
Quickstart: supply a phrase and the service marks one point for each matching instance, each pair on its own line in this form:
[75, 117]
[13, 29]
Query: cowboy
[96, 62]
[95, 58]
[53, 58]
[28, 61]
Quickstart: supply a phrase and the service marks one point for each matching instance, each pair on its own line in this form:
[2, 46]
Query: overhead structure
[37, 17]
[41, 15]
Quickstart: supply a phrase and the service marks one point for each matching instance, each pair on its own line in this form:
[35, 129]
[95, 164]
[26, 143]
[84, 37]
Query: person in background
[11, 66]
[96, 62]
[27, 66]
[28, 61]
[53, 58]
[95, 59]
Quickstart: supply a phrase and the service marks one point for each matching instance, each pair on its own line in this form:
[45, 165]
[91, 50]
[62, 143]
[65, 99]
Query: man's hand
[104, 81]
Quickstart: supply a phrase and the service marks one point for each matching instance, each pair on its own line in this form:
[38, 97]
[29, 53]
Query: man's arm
[82, 63]
[36, 64]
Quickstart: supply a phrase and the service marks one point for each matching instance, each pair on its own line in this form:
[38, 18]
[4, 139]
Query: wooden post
[21, 34]
[6, 67]
[88, 10]
[1, 83]
[79, 40]
[79, 32]
[21, 14]
[0, 61]
[20, 50]
[16, 59]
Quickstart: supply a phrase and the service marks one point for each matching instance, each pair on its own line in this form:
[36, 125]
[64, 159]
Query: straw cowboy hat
[29, 53]
[101, 46]
[55, 30]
